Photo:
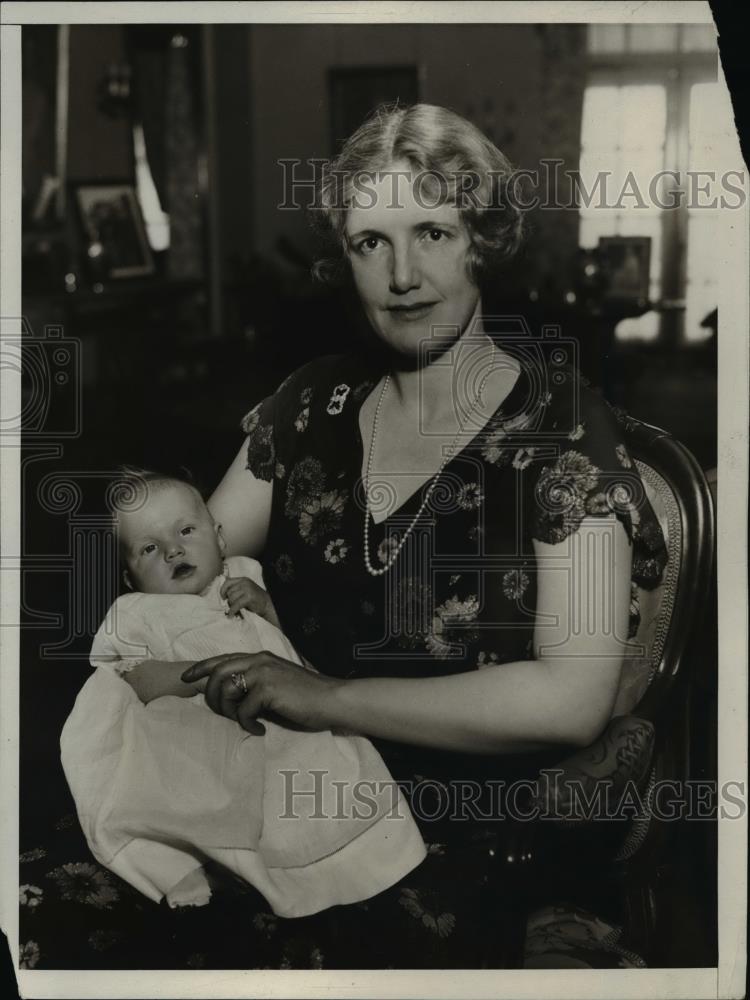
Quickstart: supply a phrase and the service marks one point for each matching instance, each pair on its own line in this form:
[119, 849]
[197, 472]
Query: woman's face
[410, 263]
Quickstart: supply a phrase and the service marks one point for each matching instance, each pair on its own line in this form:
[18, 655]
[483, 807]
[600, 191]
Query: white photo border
[728, 980]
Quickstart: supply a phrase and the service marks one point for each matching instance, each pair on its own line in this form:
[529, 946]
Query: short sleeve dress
[461, 597]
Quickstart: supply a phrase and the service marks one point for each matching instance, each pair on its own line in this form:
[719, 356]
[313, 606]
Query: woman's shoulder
[575, 405]
[325, 373]
[325, 382]
[299, 411]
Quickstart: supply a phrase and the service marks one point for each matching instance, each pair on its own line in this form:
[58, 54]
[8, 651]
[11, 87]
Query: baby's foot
[193, 890]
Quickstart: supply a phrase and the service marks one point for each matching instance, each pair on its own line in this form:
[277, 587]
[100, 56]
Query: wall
[522, 84]
[234, 139]
[99, 147]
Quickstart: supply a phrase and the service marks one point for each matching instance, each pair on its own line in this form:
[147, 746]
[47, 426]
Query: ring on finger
[239, 682]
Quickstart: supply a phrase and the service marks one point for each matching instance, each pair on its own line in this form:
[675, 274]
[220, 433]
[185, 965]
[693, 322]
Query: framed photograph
[357, 92]
[114, 230]
[626, 262]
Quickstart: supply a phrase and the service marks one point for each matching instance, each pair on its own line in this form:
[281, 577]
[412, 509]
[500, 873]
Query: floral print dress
[461, 597]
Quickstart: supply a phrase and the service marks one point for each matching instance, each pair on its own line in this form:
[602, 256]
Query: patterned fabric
[620, 756]
[535, 472]
[454, 910]
[547, 459]
[567, 937]
[73, 914]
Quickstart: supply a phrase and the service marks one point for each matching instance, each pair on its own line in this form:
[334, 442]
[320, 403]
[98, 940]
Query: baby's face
[171, 544]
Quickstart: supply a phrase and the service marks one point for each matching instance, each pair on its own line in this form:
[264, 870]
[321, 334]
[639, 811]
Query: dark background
[216, 327]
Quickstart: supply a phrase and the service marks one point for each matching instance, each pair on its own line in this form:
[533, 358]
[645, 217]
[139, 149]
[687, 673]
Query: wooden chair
[574, 853]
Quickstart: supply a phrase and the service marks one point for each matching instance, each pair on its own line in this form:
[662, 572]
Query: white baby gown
[311, 819]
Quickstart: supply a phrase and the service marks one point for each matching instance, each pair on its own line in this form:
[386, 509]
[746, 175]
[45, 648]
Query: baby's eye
[187, 530]
[148, 549]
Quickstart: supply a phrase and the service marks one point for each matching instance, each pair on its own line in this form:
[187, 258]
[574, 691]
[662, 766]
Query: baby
[162, 784]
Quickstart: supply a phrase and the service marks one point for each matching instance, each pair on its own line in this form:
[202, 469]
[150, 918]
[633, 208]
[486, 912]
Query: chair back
[672, 613]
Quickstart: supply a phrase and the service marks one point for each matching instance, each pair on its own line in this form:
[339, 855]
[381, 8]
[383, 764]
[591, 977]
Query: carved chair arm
[577, 789]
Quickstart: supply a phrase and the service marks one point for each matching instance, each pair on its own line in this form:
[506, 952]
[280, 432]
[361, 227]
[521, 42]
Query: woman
[450, 531]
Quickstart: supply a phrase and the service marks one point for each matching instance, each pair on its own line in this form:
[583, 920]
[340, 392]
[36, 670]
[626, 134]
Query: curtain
[163, 84]
[185, 259]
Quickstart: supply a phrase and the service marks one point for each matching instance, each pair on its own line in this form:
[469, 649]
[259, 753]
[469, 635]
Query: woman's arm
[241, 504]
[566, 695]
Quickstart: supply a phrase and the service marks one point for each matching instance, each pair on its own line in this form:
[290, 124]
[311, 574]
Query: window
[650, 106]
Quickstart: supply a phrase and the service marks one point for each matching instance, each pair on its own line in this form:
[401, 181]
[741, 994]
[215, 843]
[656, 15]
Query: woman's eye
[368, 245]
[435, 235]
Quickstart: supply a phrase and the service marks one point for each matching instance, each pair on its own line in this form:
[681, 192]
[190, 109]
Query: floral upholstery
[621, 755]
[560, 937]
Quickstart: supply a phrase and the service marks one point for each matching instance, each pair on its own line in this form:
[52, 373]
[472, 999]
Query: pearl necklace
[380, 571]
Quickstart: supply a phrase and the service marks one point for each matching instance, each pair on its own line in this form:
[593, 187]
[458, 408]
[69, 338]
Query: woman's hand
[243, 686]
[242, 592]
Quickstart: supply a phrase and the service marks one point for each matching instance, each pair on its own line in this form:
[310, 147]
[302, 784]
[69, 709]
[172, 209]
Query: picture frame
[114, 232]
[626, 264]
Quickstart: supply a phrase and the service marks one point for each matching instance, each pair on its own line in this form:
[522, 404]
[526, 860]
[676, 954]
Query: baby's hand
[241, 592]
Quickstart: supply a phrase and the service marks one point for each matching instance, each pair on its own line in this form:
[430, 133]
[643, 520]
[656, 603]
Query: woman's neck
[444, 391]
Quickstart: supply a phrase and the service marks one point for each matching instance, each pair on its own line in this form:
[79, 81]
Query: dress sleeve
[121, 642]
[593, 475]
[258, 424]
[272, 425]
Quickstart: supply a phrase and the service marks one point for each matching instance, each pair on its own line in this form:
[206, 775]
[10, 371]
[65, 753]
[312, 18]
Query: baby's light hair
[131, 486]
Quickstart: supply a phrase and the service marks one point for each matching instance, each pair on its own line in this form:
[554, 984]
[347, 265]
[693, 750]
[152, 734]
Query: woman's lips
[411, 313]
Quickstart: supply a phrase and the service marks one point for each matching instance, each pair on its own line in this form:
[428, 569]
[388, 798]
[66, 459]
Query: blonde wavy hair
[457, 161]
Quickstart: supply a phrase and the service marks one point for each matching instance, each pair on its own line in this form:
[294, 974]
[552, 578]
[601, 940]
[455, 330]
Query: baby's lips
[182, 569]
